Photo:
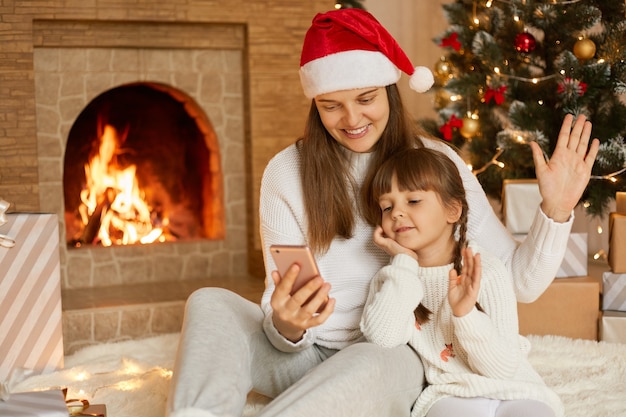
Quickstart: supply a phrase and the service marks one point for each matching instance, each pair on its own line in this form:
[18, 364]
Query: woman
[311, 363]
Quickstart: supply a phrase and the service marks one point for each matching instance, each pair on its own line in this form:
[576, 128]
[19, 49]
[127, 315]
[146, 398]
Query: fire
[113, 209]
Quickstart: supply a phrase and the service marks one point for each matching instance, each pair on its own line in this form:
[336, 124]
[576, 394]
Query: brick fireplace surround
[236, 59]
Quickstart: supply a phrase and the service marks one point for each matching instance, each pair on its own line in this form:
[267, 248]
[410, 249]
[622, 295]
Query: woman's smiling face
[355, 118]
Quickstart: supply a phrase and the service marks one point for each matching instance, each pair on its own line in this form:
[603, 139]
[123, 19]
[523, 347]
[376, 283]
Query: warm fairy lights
[493, 161]
[130, 378]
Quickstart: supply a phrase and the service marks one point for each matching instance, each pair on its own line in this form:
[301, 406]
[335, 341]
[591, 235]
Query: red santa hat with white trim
[348, 48]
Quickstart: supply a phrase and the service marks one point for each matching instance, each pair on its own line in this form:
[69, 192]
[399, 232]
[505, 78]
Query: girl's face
[355, 118]
[419, 221]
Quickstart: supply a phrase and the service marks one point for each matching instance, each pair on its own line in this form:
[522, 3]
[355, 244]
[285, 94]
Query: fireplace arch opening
[142, 165]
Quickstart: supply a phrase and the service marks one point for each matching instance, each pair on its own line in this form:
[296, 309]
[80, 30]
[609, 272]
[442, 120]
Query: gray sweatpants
[224, 354]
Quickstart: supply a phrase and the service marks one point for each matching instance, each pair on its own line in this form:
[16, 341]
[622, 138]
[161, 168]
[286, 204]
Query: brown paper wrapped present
[617, 242]
[620, 202]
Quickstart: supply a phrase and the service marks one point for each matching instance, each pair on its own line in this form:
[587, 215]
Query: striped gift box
[35, 404]
[30, 295]
[575, 260]
[613, 291]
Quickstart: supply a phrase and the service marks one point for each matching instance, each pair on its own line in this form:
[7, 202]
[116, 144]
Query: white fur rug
[132, 378]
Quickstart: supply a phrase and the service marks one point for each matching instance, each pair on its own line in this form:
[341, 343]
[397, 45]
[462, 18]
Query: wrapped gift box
[570, 307]
[36, 404]
[613, 327]
[620, 202]
[30, 295]
[575, 259]
[520, 199]
[617, 242]
[613, 291]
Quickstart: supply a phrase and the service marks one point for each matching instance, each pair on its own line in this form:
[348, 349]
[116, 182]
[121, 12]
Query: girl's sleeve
[395, 292]
[533, 263]
[491, 338]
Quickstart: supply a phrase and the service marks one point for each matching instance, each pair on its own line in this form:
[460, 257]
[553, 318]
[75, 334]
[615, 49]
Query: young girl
[456, 309]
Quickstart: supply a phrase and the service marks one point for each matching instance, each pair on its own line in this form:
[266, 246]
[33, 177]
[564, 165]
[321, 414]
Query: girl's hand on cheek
[310, 306]
[390, 246]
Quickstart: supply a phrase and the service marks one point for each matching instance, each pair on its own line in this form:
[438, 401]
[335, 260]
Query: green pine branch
[540, 85]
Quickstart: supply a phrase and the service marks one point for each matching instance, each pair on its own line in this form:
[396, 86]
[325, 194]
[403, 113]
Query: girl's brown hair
[421, 169]
[331, 196]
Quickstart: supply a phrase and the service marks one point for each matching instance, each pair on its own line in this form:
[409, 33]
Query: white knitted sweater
[477, 355]
[350, 264]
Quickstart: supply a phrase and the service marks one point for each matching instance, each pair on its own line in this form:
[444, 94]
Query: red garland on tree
[525, 42]
[446, 129]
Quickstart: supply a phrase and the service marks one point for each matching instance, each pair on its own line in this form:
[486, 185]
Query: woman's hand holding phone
[307, 306]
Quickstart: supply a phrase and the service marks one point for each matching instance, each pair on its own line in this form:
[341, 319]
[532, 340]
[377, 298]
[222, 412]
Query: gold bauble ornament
[443, 70]
[442, 98]
[584, 49]
[470, 127]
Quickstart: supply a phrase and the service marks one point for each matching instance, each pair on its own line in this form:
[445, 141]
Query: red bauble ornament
[525, 42]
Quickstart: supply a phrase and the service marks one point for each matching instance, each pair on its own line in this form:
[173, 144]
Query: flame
[112, 196]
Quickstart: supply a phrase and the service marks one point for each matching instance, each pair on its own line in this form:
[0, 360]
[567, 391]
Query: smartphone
[287, 255]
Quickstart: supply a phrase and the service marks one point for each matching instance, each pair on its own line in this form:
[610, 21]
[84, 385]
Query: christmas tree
[511, 69]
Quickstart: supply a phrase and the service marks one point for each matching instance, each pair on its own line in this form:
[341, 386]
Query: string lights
[554, 2]
[493, 161]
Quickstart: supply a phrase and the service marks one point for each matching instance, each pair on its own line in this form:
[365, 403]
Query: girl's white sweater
[478, 355]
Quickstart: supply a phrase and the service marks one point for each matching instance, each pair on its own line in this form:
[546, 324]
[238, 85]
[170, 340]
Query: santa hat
[347, 49]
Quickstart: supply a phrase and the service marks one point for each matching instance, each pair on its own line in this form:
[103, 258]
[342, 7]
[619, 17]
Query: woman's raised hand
[308, 307]
[563, 179]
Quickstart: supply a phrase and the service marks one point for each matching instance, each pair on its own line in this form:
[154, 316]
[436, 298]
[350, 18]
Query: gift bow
[5, 241]
[446, 129]
[452, 41]
[79, 408]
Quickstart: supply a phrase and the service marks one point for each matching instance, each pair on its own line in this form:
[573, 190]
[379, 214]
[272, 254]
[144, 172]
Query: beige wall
[413, 23]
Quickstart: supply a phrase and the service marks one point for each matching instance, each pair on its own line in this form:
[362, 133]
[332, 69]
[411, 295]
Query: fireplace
[189, 163]
[142, 166]
[235, 60]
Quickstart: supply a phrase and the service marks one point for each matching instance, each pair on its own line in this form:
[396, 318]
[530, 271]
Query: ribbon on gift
[5, 240]
[80, 407]
[75, 406]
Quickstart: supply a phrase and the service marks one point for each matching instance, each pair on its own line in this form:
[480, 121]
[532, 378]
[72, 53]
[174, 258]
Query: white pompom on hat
[346, 49]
